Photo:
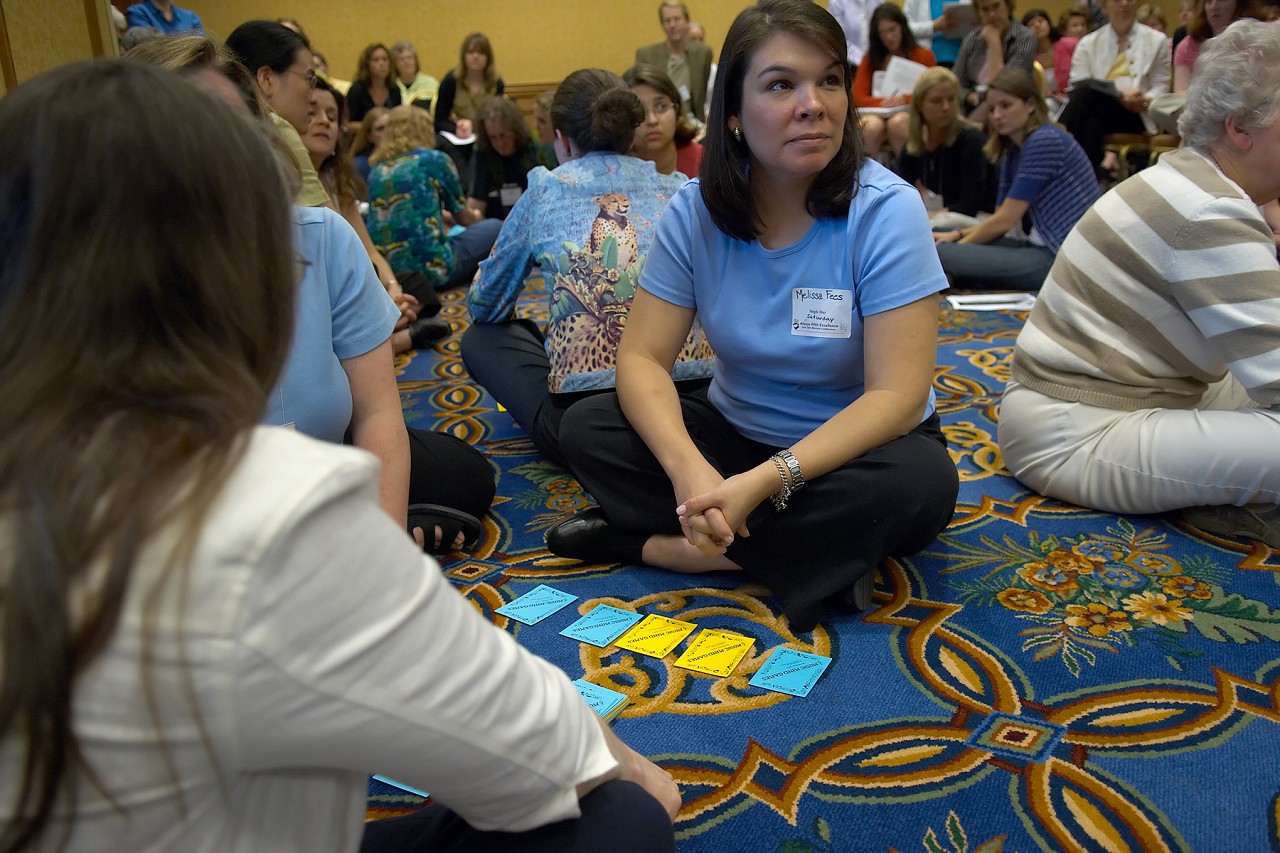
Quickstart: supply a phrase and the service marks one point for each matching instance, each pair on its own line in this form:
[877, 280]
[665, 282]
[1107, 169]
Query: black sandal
[450, 521]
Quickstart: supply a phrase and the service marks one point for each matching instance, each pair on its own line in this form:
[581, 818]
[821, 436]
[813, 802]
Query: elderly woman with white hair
[1147, 378]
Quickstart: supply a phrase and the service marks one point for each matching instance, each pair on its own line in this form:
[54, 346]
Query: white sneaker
[1256, 521]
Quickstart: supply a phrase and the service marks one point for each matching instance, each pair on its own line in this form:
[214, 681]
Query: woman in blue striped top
[1046, 185]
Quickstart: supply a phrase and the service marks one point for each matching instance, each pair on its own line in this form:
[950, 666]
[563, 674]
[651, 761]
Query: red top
[862, 80]
[688, 159]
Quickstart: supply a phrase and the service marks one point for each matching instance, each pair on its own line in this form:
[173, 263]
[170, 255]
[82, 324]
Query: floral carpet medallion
[1042, 677]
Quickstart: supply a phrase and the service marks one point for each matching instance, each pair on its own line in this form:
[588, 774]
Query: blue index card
[536, 604]
[602, 625]
[401, 785]
[605, 702]
[790, 671]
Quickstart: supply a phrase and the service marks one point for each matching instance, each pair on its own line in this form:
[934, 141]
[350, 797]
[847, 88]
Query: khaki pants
[1226, 451]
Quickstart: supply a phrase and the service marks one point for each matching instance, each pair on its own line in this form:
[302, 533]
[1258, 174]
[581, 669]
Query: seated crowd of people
[181, 637]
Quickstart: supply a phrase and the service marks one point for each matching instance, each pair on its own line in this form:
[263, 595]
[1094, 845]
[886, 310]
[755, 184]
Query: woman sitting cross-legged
[1045, 179]
[944, 155]
[1146, 378]
[589, 224]
[888, 35]
[815, 452]
[410, 188]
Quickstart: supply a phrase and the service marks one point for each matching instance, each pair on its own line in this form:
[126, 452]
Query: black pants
[509, 360]
[617, 816]
[891, 501]
[445, 470]
[1090, 115]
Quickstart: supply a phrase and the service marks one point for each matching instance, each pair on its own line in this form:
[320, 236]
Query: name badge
[510, 194]
[821, 312]
[685, 95]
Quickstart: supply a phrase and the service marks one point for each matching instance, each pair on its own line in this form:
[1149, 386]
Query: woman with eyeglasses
[666, 136]
[281, 63]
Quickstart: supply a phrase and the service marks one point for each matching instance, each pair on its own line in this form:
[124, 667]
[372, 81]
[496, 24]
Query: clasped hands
[407, 304]
[716, 509]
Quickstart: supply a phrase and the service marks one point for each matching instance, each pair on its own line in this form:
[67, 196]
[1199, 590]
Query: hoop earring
[737, 134]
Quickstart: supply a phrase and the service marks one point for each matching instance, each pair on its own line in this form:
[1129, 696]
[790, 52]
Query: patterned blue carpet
[1043, 677]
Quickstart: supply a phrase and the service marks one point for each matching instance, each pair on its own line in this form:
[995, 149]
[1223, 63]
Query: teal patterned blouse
[407, 197]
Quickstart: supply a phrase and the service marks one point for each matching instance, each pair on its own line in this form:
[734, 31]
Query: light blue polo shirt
[775, 381]
[343, 311]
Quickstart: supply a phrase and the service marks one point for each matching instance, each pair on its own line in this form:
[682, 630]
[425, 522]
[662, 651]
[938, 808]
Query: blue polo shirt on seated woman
[786, 324]
[343, 312]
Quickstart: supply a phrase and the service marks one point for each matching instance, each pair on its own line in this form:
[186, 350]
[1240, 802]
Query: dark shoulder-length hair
[658, 80]
[876, 50]
[726, 163]
[363, 77]
[1032, 14]
[116, 443]
[336, 172]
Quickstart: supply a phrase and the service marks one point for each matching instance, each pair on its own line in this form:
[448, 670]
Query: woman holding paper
[882, 108]
[1116, 70]
[816, 452]
[1044, 177]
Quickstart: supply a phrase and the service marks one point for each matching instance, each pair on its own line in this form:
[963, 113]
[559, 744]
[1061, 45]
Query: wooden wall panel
[43, 34]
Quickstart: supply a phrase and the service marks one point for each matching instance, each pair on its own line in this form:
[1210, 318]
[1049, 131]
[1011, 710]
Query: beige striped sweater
[1168, 282]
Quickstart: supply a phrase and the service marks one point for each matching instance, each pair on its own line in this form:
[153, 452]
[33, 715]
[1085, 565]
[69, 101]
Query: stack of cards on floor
[656, 635]
[715, 652]
[790, 671]
[401, 785]
[536, 604]
[601, 626]
[605, 702]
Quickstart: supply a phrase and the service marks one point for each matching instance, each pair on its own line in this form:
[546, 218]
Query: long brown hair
[363, 77]
[1199, 27]
[506, 113]
[144, 318]
[361, 144]
[479, 42]
[336, 172]
[1020, 84]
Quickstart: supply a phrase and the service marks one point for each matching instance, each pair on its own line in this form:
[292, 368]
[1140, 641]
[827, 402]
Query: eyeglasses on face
[308, 76]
